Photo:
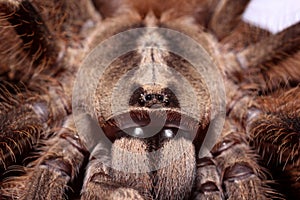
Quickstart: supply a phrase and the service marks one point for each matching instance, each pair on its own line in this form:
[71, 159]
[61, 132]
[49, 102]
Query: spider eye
[148, 97]
[141, 101]
[160, 97]
[167, 102]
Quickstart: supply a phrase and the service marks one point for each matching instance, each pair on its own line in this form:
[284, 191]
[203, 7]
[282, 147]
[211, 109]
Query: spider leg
[231, 173]
[275, 132]
[226, 16]
[41, 37]
[271, 48]
[38, 53]
[272, 67]
[49, 175]
[22, 123]
[242, 36]
[272, 62]
[272, 124]
[45, 36]
[208, 183]
[268, 64]
[40, 56]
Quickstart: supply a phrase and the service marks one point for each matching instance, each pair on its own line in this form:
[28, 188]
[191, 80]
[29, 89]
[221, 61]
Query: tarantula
[146, 100]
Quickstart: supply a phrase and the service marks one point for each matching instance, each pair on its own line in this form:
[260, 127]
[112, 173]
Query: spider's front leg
[58, 165]
[232, 171]
[271, 67]
[275, 132]
[49, 175]
[45, 37]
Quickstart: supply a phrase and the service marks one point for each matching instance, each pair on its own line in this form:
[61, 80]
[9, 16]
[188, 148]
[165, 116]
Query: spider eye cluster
[153, 98]
[149, 95]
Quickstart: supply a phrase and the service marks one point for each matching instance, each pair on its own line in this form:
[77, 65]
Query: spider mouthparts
[149, 132]
[146, 124]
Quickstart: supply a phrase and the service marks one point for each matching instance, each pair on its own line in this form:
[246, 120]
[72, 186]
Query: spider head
[151, 91]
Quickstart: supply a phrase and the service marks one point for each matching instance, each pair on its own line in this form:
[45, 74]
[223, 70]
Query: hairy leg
[269, 63]
[208, 181]
[48, 176]
[226, 17]
[232, 171]
[275, 132]
[273, 47]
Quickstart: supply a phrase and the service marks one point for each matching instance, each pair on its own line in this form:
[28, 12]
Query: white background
[274, 15]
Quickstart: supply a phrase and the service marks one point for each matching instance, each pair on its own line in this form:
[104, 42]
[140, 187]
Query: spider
[146, 100]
